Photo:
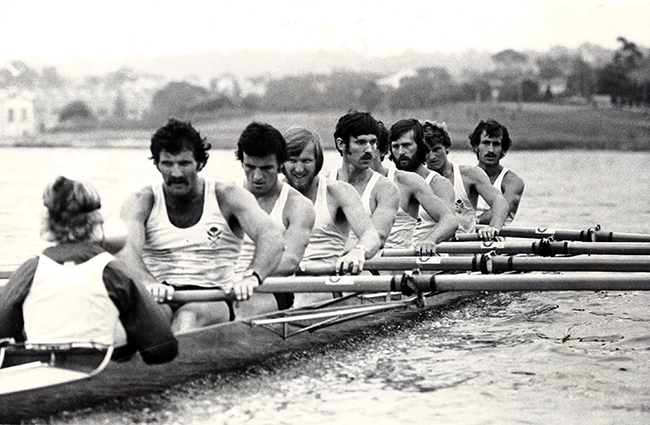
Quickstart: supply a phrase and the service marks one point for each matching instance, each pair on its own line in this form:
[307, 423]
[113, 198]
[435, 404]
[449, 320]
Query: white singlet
[248, 247]
[327, 240]
[483, 206]
[401, 234]
[69, 303]
[464, 209]
[365, 200]
[424, 222]
[202, 255]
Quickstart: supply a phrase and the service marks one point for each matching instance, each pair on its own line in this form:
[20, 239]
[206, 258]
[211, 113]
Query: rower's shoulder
[139, 202]
[410, 179]
[339, 189]
[473, 172]
[385, 185]
[409, 176]
[512, 179]
[230, 195]
[297, 203]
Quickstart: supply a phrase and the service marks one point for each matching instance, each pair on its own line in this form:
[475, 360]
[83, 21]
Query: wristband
[250, 273]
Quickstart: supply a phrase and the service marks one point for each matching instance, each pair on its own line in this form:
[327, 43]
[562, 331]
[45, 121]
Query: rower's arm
[384, 213]
[513, 188]
[135, 213]
[444, 190]
[300, 217]
[446, 221]
[493, 197]
[350, 203]
[239, 205]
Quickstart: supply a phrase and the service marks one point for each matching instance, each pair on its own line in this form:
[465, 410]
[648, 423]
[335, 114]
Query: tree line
[558, 75]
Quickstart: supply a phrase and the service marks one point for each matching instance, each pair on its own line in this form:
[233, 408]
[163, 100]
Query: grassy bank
[531, 126]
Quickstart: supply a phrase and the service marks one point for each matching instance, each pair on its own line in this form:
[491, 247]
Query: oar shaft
[536, 282]
[567, 264]
[435, 263]
[542, 247]
[589, 235]
[586, 281]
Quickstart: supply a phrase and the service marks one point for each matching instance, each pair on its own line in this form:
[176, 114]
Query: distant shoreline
[536, 126]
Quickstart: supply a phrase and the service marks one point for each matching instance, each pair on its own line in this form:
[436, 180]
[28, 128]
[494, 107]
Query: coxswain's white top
[464, 209]
[69, 303]
[365, 200]
[483, 206]
[202, 255]
[401, 234]
[327, 240]
[248, 247]
[424, 222]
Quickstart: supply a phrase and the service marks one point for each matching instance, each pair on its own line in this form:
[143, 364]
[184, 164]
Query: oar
[465, 263]
[542, 247]
[590, 235]
[585, 281]
[497, 264]
[487, 263]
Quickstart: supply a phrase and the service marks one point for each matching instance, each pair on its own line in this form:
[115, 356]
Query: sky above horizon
[55, 31]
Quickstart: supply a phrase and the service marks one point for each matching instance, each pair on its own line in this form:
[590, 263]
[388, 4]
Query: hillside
[534, 126]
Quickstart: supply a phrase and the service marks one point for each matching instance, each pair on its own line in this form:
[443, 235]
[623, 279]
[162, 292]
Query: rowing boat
[37, 381]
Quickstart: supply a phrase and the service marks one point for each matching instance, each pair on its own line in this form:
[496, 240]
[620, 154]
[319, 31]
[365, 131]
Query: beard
[301, 184]
[406, 163]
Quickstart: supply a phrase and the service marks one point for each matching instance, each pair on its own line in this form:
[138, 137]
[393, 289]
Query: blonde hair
[298, 138]
[72, 211]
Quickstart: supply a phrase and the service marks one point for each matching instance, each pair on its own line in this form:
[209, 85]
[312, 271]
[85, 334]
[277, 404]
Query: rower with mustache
[468, 181]
[356, 139]
[490, 141]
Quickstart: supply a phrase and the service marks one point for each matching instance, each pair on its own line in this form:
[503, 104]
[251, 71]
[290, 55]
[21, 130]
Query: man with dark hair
[187, 231]
[261, 149]
[491, 141]
[408, 151]
[356, 138]
[469, 182]
[415, 194]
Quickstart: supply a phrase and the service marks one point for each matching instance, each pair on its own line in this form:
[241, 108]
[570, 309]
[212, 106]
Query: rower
[490, 142]
[415, 193]
[337, 206]
[76, 291]
[186, 231]
[356, 140]
[261, 149]
[468, 181]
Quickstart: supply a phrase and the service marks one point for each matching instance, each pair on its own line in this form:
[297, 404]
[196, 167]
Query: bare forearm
[444, 230]
[499, 210]
[135, 267]
[268, 253]
[485, 217]
[287, 266]
[370, 240]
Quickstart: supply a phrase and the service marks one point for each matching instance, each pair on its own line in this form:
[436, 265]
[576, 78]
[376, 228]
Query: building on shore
[16, 113]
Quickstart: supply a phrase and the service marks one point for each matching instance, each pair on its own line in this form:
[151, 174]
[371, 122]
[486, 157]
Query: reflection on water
[499, 358]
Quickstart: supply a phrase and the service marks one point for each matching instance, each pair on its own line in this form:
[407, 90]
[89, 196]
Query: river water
[494, 358]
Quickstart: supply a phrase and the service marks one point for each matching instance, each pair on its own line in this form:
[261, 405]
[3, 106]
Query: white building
[16, 113]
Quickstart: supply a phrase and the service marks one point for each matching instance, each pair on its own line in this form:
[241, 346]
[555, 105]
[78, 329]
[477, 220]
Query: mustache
[366, 156]
[177, 180]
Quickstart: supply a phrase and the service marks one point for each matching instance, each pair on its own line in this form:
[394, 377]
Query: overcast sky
[59, 31]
